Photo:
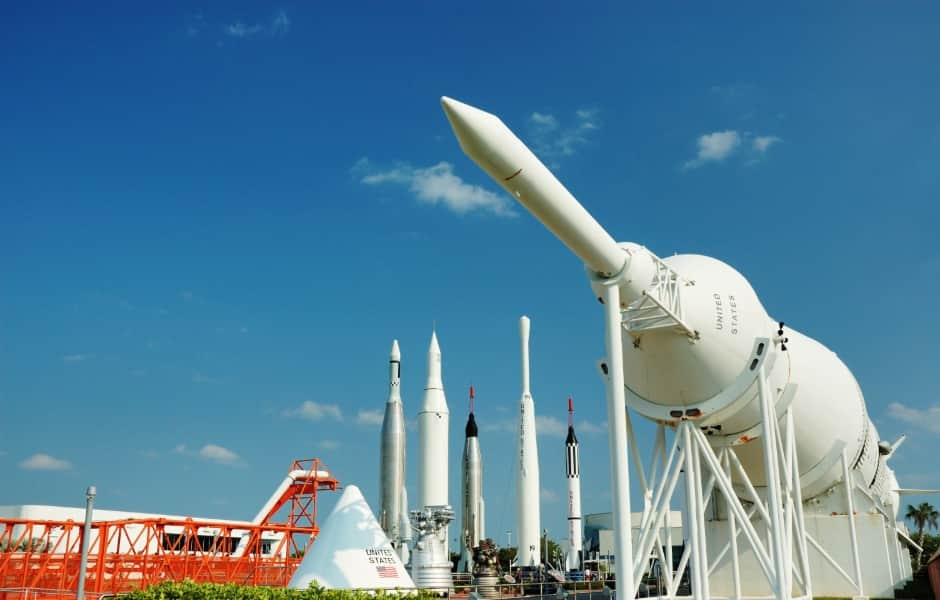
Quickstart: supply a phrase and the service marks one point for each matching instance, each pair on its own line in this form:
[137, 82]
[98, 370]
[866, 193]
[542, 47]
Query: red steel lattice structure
[41, 558]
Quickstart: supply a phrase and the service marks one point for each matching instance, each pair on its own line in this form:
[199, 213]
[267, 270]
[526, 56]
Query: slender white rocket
[433, 425]
[573, 475]
[392, 460]
[471, 492]
[528, 517]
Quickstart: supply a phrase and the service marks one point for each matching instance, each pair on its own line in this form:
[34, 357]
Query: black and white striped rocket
[573, 475]
[471, 531]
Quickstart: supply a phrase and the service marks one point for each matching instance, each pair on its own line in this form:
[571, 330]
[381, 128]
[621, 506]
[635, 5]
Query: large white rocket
[393, 506]
[690, 345]
[433, 426]
[471, 530]
[573, 475]
[527, 471]
[430, 562]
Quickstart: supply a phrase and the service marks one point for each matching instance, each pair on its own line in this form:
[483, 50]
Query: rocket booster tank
[573, 477]
[471, 530]
[433, 428]
[692, 331]
[392, 460]
[528, 518]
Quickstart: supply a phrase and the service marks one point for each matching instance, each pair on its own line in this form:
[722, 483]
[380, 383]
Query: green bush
[189, 590]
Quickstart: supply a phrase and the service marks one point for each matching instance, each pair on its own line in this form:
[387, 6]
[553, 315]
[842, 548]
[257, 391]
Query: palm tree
[924, 516]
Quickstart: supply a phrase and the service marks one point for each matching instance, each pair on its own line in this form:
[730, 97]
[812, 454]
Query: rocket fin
[352, 551]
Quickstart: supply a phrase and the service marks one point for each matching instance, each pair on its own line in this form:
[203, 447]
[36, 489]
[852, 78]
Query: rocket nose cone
[456, 112]
[434, 348]
[484, 138]
[395, 354]
[466, 120]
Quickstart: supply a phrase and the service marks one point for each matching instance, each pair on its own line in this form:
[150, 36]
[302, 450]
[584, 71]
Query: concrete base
[885, 563]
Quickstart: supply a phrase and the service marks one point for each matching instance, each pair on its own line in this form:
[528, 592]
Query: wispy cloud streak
[927, 418]
[315, 411]
[45, 462]
[277, 25]
[437, 185]
[552, 140]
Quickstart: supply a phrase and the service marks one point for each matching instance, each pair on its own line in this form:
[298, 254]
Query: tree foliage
[924, 516]
[189, 590]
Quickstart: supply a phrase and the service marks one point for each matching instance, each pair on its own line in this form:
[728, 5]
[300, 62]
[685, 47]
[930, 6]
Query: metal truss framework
[660, 306]
[710, 472]
[43, 557]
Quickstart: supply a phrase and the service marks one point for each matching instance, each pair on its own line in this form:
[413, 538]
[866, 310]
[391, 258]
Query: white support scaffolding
[770, 524]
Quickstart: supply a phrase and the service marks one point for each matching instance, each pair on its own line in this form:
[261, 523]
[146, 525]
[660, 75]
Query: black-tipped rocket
[392, 511]
[573, 476]
[471, 530]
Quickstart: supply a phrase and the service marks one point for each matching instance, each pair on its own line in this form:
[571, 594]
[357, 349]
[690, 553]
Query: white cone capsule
[528, 517]
[351, 552]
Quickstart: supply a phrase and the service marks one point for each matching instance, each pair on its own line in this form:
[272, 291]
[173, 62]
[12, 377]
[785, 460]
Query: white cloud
[928, 418]
[548, 495]
[71, 358]
[277, 25]
[44, 462]
[505, 426]
[370, 417]
[218, 454]
[314, 411]
[438, 184]
[328, 444]
[762, 142]
[546, 121]
[553, 141]
[588, 427]
[280, 24]
[180, 449]
[714, 147]
[552, 426]
[240, 30]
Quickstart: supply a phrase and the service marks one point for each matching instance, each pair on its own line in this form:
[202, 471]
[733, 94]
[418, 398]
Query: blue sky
[215, 217]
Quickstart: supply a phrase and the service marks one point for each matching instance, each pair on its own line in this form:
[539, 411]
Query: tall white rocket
[528, 518]
[392, 460]
[433, 426]
[573, 475]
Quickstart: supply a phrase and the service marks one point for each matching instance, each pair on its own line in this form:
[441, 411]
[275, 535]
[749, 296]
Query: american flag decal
[386, 571]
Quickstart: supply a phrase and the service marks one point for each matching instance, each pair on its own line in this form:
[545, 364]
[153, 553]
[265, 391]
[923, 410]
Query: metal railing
[22, 593]
[582, 590]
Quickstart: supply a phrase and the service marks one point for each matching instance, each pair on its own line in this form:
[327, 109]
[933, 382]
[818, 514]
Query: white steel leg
[617, 426]
[850, 495]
